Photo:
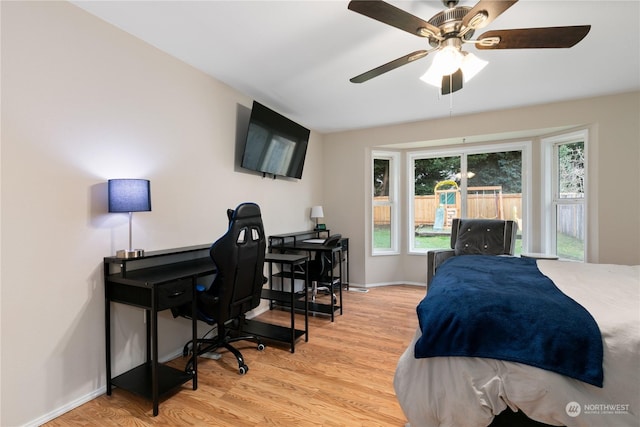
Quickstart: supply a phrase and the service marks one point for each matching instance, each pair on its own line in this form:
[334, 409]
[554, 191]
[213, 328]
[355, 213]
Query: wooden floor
[343, 376]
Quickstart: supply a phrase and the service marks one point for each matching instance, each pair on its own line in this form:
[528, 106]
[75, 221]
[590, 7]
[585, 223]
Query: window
[435, 202]
[494, 186]
[566, 196]
[385, 203]
[479, 182]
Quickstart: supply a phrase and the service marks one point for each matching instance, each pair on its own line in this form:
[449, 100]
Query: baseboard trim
[86, 398]
[66, 408]
[377, 285]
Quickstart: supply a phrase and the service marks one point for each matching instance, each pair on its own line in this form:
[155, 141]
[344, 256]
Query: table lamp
[316, 212]
[129, 195]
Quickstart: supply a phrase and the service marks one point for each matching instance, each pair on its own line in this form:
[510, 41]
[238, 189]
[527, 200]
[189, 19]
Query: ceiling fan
[448, 30]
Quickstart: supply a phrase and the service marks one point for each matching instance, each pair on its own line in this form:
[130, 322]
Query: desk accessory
[317, 212]
[129, 195]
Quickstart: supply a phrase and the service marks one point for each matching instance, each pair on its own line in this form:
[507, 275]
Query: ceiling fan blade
[391, 15]
[490, 9]
[452, 82]
[389, 66]
[534, 38]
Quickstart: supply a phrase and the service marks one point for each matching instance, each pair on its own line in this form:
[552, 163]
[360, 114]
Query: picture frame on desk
[321, 227]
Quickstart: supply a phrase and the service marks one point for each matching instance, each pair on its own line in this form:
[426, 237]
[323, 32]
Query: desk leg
[306, 301]
[147, 315]
[107, 332]
[341, 276]
[154, 358]
[194, 332]
[292, 291]
[271, 304]
[333, 310]
[346, 267]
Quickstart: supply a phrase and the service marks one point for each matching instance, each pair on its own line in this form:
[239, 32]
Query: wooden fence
[571, 221]
[505, 206]
[508, 206]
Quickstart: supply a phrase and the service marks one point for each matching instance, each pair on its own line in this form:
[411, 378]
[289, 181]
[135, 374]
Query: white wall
[83, 102]
[614, 186]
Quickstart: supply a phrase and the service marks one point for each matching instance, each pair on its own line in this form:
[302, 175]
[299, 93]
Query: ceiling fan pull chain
[450, 96]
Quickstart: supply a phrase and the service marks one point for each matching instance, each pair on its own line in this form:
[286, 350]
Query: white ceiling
[297, 56]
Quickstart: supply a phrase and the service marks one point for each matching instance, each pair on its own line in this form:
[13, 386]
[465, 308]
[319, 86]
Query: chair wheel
[261, 347]
[243, 369]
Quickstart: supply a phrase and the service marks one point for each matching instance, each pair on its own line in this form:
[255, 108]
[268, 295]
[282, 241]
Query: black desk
[295, 242]
[157, 281]
[282, 297]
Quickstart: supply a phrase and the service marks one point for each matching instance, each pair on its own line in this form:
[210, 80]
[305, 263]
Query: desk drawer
[174, 294]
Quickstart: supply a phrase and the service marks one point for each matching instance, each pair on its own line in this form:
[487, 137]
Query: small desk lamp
[129, 195]
[316, 212]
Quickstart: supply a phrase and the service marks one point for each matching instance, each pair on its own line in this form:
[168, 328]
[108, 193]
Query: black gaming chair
[239, 259]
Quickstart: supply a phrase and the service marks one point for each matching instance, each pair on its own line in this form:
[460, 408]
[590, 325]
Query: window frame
[551, 199]
[394, 201]
[410, 167]
[524, 146]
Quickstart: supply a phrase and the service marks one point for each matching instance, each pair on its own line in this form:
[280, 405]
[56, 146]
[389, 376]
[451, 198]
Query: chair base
[323, 287]
[207, 345]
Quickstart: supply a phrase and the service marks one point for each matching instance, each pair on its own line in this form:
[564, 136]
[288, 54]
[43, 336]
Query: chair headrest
[244, 210]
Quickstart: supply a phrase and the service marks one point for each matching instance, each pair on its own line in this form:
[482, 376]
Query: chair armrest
[434, 259]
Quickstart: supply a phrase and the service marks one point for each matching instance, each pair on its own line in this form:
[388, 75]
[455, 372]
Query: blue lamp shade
[129, 195]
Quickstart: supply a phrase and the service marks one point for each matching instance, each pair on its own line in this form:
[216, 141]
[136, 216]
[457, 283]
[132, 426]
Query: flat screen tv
[275, 144]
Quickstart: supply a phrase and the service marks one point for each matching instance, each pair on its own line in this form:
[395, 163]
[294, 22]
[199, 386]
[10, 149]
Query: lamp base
[130, 253]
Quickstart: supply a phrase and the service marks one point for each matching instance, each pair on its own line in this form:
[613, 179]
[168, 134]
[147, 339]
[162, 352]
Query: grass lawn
[568, 247]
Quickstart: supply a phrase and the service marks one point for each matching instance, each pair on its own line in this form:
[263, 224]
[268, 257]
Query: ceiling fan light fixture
[432, 77]
[470, 65]
[447, 60]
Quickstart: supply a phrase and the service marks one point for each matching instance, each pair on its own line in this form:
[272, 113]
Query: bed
[463, 391]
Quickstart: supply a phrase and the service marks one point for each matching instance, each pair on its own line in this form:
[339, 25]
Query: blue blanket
[505, 308]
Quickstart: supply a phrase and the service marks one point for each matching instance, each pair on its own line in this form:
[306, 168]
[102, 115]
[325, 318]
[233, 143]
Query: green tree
[490, 169]
[571, 168]
[380, 177]
[428, 172]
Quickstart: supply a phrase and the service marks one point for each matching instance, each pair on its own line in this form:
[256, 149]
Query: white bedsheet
[469, 392]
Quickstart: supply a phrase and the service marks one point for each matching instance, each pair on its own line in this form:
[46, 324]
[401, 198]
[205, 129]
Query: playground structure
[448, 200]
[486, 202]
